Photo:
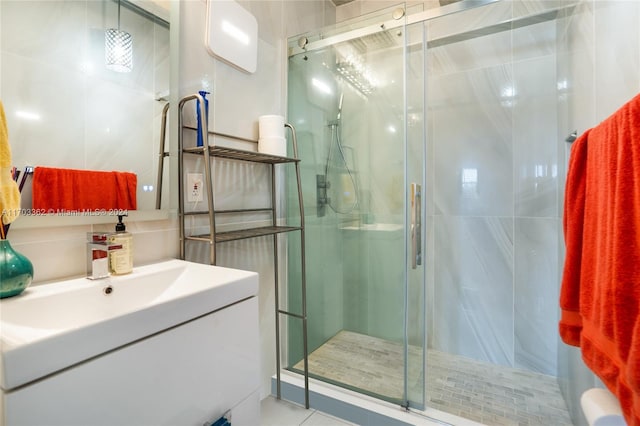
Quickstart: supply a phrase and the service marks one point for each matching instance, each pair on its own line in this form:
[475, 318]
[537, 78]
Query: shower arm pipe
[390, 24]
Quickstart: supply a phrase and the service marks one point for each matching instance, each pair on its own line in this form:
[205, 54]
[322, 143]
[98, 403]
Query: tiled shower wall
[492, 186]
[599, 58]
[493, 174]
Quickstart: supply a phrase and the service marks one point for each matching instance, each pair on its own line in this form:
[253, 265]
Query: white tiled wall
[602, 67]
[492, 115]
[237, 101]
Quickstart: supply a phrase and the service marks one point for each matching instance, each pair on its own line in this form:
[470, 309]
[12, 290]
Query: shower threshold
[359, 408]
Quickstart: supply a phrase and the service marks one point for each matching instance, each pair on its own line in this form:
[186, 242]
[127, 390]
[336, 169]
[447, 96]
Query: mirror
[65, 109]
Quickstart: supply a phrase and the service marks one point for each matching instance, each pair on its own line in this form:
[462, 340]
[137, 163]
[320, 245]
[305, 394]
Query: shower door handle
[416, 225]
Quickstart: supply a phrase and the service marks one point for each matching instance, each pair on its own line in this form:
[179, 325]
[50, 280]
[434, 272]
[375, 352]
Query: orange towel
[58, 190]
[600, 294]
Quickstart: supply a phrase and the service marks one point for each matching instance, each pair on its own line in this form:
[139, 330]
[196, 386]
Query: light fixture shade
[118, 50]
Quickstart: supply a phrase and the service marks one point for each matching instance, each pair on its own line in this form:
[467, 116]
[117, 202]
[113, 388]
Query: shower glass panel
[357, 105]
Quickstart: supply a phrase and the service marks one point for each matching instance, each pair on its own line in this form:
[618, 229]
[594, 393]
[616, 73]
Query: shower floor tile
[486, 393]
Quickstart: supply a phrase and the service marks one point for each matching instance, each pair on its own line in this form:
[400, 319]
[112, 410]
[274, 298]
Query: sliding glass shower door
[357, 103]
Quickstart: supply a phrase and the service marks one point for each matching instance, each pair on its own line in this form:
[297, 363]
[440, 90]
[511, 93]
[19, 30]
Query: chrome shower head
[340, 106]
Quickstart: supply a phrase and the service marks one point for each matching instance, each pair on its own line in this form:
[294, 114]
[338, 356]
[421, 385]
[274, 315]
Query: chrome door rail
[509, 24]
[390, 24]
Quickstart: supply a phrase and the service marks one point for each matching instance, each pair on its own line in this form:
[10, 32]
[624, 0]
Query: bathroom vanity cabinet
[190, 374]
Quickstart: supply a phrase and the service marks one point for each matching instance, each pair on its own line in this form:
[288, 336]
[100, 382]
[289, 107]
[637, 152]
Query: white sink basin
[53, 326]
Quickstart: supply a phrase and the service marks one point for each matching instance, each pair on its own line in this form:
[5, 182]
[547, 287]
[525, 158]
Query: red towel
[58, 190]
[600, 294]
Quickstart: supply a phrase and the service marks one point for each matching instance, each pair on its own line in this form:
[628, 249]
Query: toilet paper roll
[273, 146]
[271, 126]
[601, 408]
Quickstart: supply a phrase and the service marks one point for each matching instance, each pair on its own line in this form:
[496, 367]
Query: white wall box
[232, 34]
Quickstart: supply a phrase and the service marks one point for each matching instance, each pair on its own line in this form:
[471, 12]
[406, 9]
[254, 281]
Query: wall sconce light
[118, 48]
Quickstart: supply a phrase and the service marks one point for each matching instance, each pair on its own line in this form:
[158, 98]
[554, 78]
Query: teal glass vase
[16, 271]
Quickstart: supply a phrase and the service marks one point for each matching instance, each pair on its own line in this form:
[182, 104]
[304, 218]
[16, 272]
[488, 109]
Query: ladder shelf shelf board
[241, 234]
[238, 154]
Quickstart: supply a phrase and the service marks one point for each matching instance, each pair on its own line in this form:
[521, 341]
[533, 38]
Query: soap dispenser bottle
[121, 260]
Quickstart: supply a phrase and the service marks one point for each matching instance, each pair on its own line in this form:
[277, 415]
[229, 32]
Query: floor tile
[274, 412]
[320, 419]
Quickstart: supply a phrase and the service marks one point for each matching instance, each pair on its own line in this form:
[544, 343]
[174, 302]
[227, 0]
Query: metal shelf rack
[214, 237]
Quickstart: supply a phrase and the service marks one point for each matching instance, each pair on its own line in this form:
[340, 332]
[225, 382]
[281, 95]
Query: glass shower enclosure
[474, 94]
[357, 103]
